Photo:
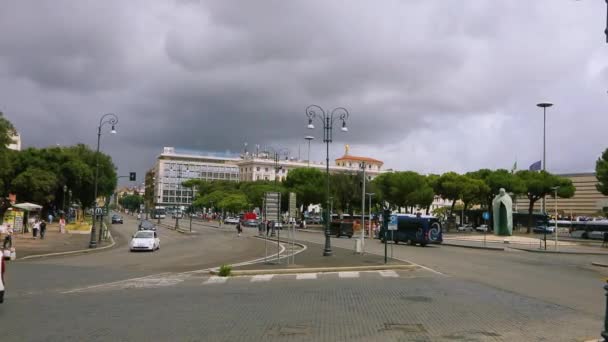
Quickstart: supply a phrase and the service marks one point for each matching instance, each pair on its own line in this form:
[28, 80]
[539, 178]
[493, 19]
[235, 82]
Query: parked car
[117, 219]
[466, 228]
[251, 223]
[482, 228]
[231, 220]
[144, 240]
[543, 229]
[146, 225]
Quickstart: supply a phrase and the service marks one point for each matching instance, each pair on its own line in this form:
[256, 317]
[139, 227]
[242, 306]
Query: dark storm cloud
[431, 85]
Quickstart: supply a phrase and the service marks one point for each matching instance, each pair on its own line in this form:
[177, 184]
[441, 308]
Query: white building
[16, 142]
[173, 167]
[261, 166]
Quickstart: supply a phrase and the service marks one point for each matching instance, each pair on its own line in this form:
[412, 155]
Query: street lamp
[555, 188]
[309, 138]
[363, 165]
[544, 106]
[65, 189]
[69, 204]
[110, 119]
[370, 194]
[327, 119]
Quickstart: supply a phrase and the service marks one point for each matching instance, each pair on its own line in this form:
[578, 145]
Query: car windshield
[144, 235]
[147, 225]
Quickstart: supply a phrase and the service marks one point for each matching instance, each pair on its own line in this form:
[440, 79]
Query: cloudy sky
[431, 85]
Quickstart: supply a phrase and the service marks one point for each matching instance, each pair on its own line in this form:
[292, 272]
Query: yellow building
[587, 201]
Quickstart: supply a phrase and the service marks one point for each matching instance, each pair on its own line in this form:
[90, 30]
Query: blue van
[414, 229]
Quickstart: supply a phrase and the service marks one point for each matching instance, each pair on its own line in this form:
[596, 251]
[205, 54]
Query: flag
[535, 166]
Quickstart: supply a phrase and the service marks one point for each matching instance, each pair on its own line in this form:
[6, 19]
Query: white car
[465, 228]
[231, 220]
[144, 240]
[482, 228]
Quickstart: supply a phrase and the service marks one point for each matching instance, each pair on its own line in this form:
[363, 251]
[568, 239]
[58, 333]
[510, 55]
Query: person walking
[42, 229]
[2, 271]
[36, 228]
[238, 229]
[50, 218]
[8, 238]
[62, 225]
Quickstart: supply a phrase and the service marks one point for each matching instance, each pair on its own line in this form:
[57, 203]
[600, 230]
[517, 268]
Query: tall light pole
[363, 165]
[69, 205]
[110, 119]
[544, 106]
[555, 188]
[65, 189]
[314, 111]
[309, 138]
[369, 208]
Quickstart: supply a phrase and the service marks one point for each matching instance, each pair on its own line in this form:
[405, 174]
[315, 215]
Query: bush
[225, 270]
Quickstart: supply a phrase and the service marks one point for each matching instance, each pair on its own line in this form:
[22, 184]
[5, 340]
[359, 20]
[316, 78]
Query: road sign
[292, 205]
[392, 223]
[272, 202]
[486, 215]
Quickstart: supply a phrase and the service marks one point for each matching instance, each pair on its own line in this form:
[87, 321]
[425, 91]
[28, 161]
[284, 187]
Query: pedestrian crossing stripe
[389, 274]
[262, 277]
[216, 280]
[348, 274]
[301, 276]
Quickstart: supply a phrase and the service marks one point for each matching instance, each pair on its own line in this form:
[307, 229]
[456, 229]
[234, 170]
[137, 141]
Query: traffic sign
[392, 223]
[292, 204]
[486, 215]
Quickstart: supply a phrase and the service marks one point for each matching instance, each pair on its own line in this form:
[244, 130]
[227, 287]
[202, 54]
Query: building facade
[15, 142]
[173, 167]
[262, 166]
[587, 201]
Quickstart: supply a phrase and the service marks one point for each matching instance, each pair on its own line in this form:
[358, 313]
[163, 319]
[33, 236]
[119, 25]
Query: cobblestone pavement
[347, 306]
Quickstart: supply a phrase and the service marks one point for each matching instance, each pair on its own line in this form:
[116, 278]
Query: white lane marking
[389, 274]
[262, 277]
[152, 281]
[215, 280]
[301, 276]
[348, 274]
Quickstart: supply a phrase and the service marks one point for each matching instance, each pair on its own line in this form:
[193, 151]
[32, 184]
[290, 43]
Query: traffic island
[311, 260]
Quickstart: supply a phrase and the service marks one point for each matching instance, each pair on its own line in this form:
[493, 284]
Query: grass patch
[225, 270]
[82, 226]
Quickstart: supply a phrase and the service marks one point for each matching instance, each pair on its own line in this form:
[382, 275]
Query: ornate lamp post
[327, 119]
[110, 119]
[65, 189]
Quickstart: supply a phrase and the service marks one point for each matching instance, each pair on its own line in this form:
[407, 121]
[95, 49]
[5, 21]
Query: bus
[159, 212]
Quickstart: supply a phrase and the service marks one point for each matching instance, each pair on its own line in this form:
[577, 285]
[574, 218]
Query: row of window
[185, 200]
[258, 169]
[193, 168]
[177, 193]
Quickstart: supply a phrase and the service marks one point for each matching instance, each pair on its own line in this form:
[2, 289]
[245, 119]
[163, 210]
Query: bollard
[605, 332]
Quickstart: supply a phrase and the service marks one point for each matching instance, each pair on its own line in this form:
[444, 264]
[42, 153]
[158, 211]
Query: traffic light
[132, 176]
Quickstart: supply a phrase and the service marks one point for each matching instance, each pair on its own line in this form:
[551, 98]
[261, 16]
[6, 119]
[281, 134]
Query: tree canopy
[601, 172]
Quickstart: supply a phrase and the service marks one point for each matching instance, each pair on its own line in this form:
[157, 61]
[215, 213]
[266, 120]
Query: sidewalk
[536, 247]
[53, 242]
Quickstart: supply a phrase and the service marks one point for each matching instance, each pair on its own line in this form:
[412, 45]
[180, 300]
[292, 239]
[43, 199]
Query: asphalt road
[458, 295]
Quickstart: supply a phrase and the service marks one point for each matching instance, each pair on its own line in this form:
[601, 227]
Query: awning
[28, 206]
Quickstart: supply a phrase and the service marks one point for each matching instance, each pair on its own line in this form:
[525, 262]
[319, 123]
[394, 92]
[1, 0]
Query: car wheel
[350, 236]
[396, 242]
[338, 235]
[423, 244]
[412, 243]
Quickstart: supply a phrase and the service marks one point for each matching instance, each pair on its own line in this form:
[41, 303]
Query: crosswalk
[203, 278]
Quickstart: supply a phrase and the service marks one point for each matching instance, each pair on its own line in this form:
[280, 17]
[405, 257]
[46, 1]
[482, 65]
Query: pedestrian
[36, 228]
[42, 229]
[62, 225]
[8, 238]
[605, 242]
[50, 218]
[2, 270]
[238, 229]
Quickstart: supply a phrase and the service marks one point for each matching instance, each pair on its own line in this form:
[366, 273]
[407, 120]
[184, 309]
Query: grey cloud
[423, 80]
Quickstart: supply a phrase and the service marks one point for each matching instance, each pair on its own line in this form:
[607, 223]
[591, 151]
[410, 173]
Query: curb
[474, 247]
[80, 251]
[318, 270]
[599, 264]
[558, 252]
[187, 232]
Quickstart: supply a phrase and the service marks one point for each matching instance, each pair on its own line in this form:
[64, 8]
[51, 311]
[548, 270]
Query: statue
[346, 149]
[502, 210]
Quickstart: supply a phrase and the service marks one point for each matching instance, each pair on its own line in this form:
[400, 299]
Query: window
[258, 177]
[257, 168]
[265, 170]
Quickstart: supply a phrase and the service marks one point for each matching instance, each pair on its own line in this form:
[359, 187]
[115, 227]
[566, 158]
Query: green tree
[308, 184]
[541, 184]
[234, 203]
[345, 189]
[449, 186]
[35, 185]
[131, 202]
[601, 172]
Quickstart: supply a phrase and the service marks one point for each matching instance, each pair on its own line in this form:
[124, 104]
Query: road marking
[262, 277]
[348, 274]
[389, 274]
[216, 280]
[301, 276]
